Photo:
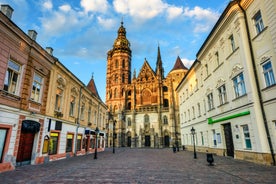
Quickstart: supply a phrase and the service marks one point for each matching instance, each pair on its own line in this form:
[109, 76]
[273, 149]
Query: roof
[179, 64]
[92, 87]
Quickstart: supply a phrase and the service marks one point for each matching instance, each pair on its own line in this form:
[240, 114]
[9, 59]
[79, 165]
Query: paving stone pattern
[141, 166]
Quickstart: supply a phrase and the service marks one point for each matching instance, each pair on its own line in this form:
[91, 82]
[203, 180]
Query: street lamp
[97, 131]
[114, 124]
[193, 133]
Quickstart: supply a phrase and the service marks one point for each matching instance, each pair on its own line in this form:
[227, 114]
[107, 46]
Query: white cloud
[47, 5]
[188, 63]
[94, 5]
[65, 8]
[141, 9]
[200, 13]
[106, 23]
[174, 12]
[62, 21]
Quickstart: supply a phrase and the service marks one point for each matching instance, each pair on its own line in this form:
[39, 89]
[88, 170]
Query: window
[199, 110]
[210, 101]
[146, 118]
[206, 70]
[222, 94]
[268, 74]
[89, 114]
[53, 146]
[3, 133]
[116, 63]
[69, 143]
[259, 25]
[165, 120]
[193, 111]
[232, 42]
[59, 94]
[123, 78]
[246, 134]
[214, 138]
[202, 138]
[72, 106]
[79, 142]
[12, 77]
[36, 90]
[217, 58]
[239, 85]
[82, 111]
[128, 122]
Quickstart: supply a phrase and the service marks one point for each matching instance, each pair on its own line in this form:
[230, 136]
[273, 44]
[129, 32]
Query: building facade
[39, 123]
[228, 94]
[143, 107]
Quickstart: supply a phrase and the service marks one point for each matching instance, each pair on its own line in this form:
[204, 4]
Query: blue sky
[81, 32]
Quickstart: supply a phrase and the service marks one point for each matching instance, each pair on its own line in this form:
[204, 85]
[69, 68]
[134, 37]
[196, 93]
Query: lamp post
[193, 133]
[114, 124]
[97, 131]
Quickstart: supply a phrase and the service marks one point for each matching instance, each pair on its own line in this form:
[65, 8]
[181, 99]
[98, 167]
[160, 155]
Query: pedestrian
[174, 148]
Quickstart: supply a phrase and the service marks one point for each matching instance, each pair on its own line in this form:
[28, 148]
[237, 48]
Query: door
[25, 149]
[167, 141]
[129, 141]
[228, 139]
[147, 141]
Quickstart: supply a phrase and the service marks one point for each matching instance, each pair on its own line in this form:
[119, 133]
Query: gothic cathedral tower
[118, 73]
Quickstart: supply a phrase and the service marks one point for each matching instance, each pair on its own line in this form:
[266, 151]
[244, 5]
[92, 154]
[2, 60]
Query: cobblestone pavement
[142, 166]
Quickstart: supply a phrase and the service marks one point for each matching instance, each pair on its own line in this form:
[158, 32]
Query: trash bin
[210, 158]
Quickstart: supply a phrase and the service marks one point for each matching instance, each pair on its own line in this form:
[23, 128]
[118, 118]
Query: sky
[81, 32]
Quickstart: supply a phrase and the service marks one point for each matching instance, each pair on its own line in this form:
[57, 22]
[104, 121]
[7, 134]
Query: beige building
[228, 94]
[144, 107]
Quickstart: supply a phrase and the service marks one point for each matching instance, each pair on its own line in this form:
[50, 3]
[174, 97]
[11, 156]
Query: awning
[30, 126]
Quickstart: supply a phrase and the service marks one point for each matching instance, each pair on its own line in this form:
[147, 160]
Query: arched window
[129, 105]
[165, 88]
[116, 63]
[123, 78]
[165, 120]
[123, 63]
[166, 103]
[115, 93]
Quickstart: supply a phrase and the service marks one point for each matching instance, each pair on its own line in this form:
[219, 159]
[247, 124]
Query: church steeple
[159, 66]
[121, 43]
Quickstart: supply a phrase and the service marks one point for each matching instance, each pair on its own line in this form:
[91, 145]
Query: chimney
[32, 34]
[50, 50]
[7, 10]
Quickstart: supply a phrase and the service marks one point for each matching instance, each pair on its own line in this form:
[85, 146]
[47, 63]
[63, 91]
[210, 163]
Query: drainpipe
[258, 84]
[78, 124]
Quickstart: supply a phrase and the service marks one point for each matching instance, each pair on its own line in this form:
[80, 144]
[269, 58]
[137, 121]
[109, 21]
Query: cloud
[94, 5]
[141, 9]
[188, 63]
[62, 21]
[65, 8]
[47, 5]
[174, 12]
[204, 19]
[106, 23]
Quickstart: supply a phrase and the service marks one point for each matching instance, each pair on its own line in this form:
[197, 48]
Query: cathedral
[143, 107]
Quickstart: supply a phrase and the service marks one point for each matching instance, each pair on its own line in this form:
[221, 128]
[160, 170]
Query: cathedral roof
[92, 87]
[179, 65]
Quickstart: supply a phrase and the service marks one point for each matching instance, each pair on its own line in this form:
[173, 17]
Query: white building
[228, 95]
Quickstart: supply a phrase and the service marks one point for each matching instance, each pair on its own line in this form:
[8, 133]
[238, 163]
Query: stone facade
[229, 92]
[144, 107]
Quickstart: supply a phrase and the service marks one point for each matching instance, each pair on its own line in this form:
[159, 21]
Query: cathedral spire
[159, 68]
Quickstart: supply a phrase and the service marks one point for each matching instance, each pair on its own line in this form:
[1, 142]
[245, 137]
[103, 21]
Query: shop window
[53, 146]
[247, 139]
[79, 140]
[69, 143]
[45, 148]
[3, 133]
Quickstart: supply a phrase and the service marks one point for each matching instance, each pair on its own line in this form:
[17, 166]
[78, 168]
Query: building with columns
[228, 95]
[143, 107]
